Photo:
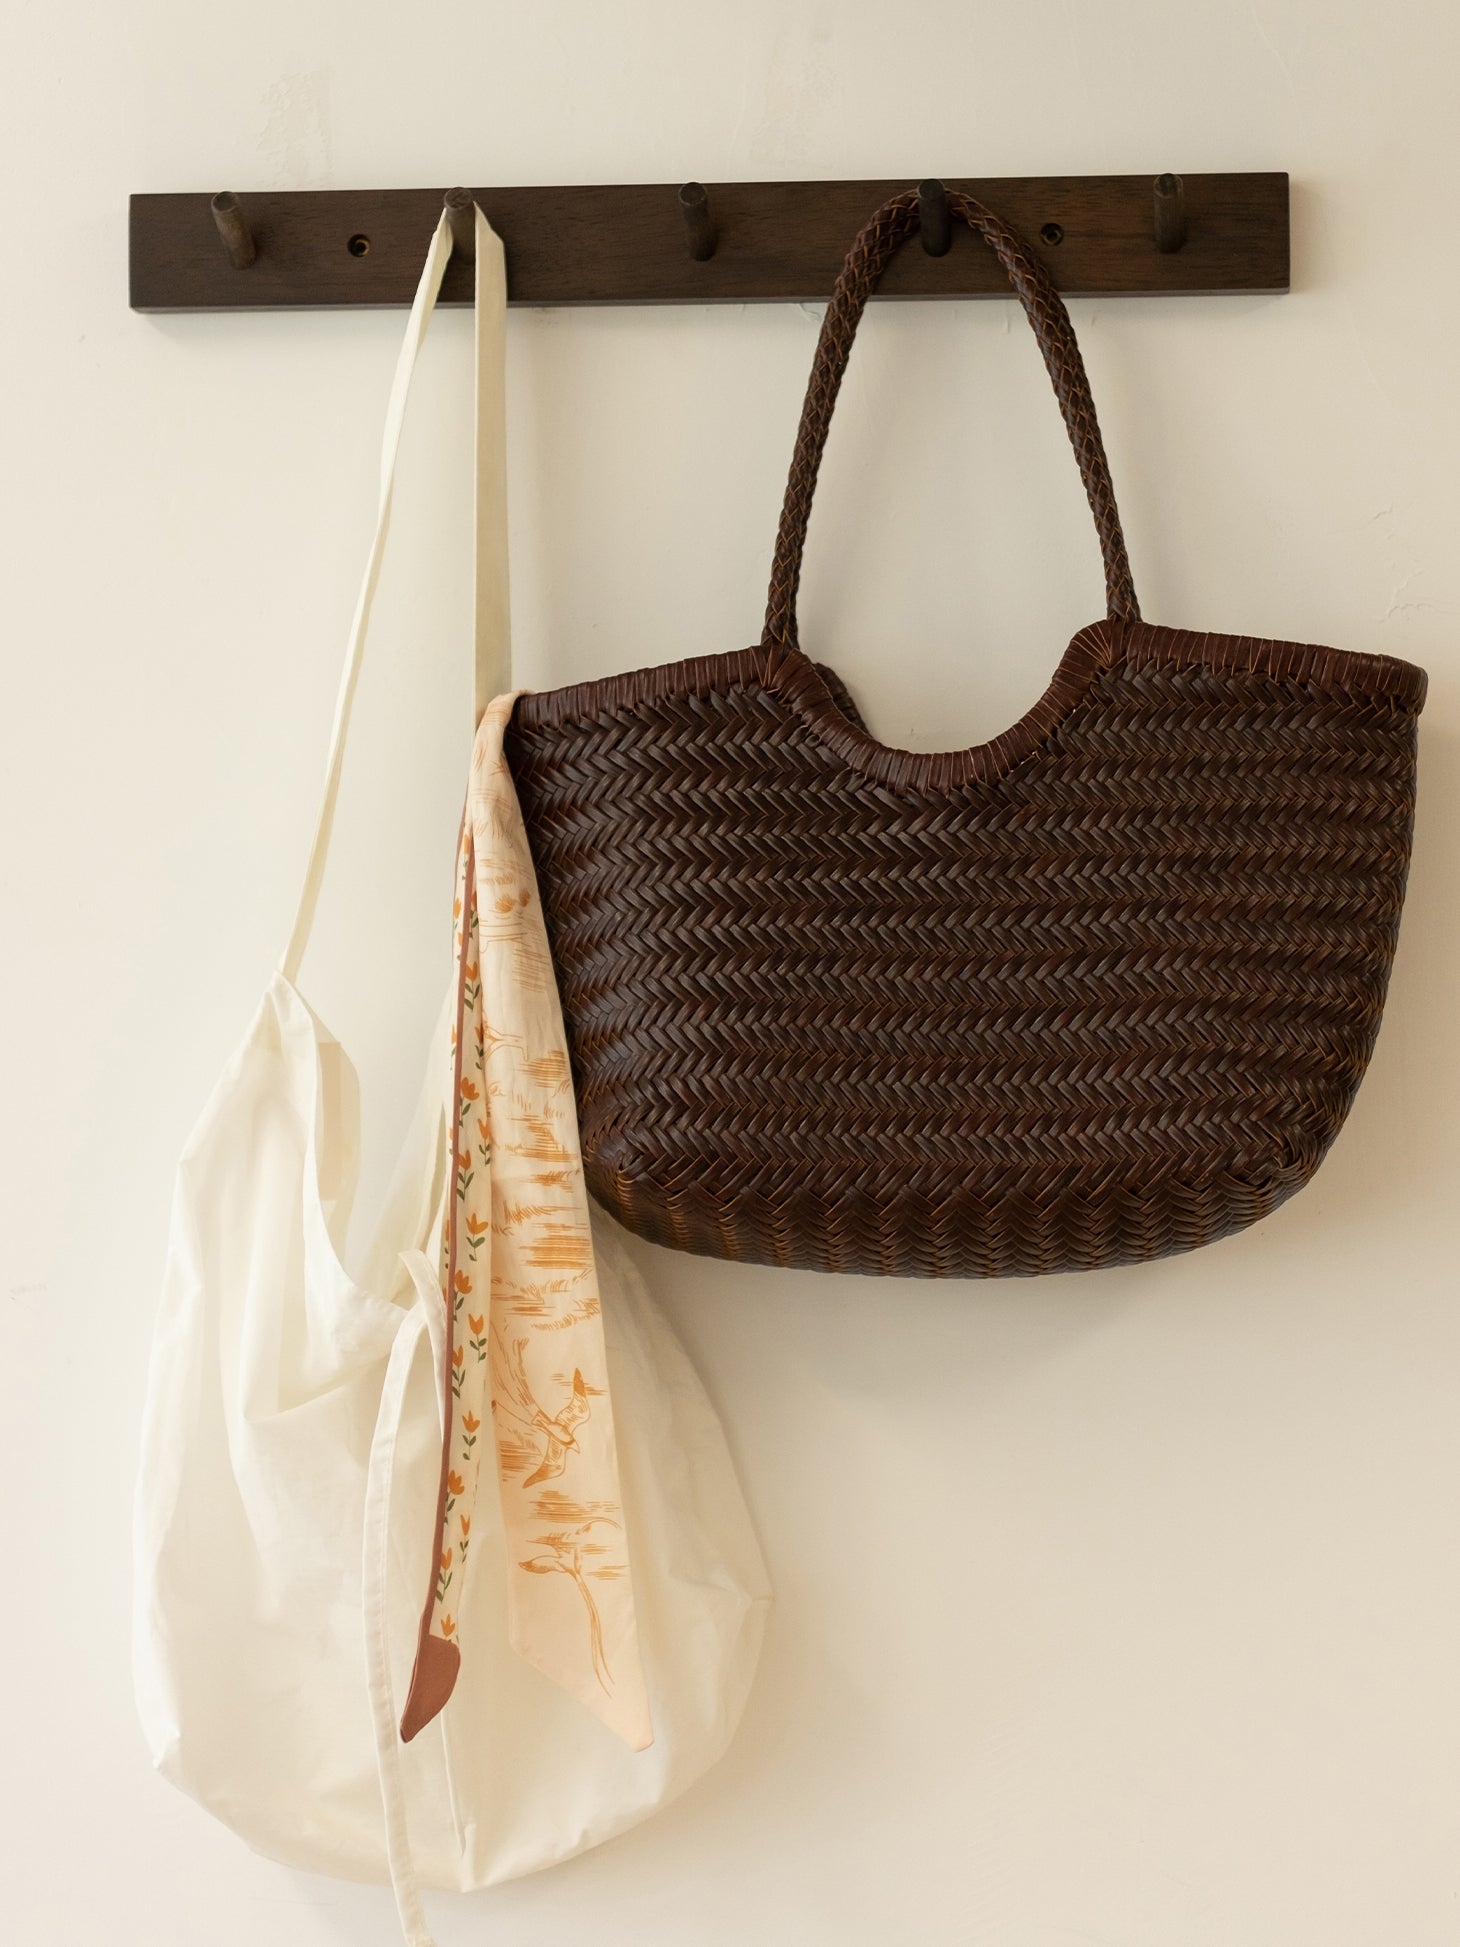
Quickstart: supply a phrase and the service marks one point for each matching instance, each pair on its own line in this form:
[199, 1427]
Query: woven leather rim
[1045, 310]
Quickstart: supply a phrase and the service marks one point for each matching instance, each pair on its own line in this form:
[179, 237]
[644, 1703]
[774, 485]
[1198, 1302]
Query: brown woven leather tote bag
[1099, 989]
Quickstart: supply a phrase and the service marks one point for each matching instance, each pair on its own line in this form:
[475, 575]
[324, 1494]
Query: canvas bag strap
[492, 629]
[425, 1320]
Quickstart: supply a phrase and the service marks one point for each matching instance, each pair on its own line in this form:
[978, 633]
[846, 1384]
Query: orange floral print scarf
[527, 1375]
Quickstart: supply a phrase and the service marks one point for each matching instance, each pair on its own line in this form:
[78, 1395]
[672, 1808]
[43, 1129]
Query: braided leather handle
[1045, 310]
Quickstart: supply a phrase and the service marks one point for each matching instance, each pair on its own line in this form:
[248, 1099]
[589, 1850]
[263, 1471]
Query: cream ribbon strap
[526, 1361]
[423, 1320]
[492, 663]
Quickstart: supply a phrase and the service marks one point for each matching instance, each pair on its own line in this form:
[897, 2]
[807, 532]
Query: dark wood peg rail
[693, 243]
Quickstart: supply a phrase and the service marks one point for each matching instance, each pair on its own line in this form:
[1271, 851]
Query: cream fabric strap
[425, 1319]
[492, 608]
[492, 664]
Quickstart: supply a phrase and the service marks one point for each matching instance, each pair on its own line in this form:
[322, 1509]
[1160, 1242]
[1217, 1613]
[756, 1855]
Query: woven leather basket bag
[1097, 990]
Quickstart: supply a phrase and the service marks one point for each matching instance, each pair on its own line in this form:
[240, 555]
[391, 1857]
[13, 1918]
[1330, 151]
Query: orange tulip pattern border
[525, 1336]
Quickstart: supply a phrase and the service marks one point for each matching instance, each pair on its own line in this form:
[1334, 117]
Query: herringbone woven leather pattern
[1098, 990]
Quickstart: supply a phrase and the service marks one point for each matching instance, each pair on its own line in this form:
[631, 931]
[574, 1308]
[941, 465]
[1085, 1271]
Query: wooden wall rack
[732, 243]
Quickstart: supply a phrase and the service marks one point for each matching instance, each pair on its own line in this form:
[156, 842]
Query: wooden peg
[233, 228]
[695, 205]
[1170, 197]
[935, 219]
[462, 211]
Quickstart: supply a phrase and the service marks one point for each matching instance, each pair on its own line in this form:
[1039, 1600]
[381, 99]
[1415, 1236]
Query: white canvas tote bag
[292, 1440]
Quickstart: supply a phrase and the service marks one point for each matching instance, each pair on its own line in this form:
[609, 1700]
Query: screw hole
[358, 246]
[1051, 233]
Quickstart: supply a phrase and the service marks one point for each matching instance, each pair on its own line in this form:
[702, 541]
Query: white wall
[1116, 1609]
